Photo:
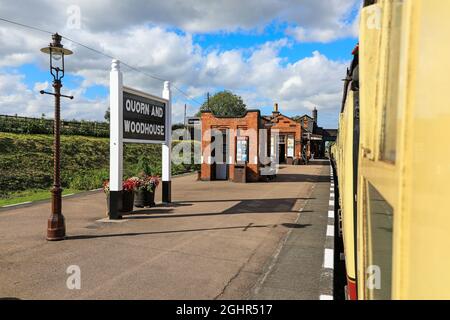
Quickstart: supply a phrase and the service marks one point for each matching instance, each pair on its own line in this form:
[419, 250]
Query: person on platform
[304, 157]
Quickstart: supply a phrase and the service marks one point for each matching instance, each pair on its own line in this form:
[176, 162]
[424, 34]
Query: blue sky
[337, 50]
[295, 56]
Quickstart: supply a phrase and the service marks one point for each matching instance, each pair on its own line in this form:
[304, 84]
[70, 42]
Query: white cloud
[319, 35]
[38, 86]
[259, 74]
[291, 87]
[192, 16]
[17, 98]
[336, 30]
[262, 77]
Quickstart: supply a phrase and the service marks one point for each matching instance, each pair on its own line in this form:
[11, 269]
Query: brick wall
[286, 125]
[248, 125]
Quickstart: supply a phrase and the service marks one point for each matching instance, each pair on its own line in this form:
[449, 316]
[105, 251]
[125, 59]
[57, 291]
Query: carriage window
[390, 107]
[379, 221]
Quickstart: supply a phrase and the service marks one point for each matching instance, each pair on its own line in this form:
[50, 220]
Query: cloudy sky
[293, 52]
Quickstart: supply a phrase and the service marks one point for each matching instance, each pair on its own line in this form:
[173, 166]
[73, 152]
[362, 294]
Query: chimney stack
[315, 115]
[275, 109]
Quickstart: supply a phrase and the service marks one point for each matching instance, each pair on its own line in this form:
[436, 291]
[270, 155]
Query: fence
[16, 124]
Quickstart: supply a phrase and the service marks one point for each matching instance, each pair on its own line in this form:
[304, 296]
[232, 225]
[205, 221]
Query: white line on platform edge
[326, 297]
[331, 203]
[328, 259]
[17, 204]
[330, 231]
[107, 220]
[68, 195]
[331, 214]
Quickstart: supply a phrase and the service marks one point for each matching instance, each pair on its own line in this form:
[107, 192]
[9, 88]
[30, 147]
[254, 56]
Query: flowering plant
[128, 185]
[106, 186]
[148, 183]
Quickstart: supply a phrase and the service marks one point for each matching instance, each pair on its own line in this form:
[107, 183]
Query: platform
[217, 240]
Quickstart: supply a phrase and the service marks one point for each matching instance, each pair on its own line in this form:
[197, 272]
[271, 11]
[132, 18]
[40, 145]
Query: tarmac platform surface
[217, 240]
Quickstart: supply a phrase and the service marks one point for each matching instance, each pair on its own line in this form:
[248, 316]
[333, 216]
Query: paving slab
[296, 272]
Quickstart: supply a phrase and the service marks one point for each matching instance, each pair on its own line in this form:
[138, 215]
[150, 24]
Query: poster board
[242, 150]
[290, 146]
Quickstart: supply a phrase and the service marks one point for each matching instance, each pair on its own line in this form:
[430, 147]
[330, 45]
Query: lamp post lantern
[56, 227]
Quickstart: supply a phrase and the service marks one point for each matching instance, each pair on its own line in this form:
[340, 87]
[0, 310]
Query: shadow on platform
[134, 234]
[248, 206]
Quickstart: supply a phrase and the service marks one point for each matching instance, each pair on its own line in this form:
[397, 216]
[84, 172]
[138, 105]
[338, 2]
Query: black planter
[108, 204]
[127, 201]
[144, 198]
[126, 205]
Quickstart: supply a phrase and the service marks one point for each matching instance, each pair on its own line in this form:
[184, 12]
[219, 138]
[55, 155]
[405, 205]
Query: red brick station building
[241, 145]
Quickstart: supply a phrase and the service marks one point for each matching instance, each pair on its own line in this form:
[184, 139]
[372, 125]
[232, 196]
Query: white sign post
[141, 118]
[115, 140]
[166, 148]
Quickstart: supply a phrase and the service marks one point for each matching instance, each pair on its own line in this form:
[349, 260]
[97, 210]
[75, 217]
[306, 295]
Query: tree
[177, 126]
[107, 115]
[224, 104]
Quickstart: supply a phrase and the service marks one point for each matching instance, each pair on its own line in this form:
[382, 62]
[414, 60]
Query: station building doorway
[282, 149]
[220, 154]
[286, 138]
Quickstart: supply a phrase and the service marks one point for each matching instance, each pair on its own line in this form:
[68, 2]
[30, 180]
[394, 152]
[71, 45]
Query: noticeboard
[242, 150]
[194, 121]
[290, 147]
[144, 117]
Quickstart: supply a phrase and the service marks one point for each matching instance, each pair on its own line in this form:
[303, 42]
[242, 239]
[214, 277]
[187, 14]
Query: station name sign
[144, 118]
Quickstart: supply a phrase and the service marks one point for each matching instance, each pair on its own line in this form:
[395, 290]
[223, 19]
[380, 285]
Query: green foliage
[88, 179]
[26, 162]
[225, 104]
[45, 126]
[15, 124]
[107, 115]
[177, 126]
[144, 165]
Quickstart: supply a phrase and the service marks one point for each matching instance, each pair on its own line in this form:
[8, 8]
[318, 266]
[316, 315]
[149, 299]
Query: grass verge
[31, 196]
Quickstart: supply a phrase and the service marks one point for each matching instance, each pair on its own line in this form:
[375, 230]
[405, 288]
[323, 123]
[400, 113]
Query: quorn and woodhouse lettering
[143, 118]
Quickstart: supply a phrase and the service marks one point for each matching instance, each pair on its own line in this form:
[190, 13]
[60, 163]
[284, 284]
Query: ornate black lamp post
[56, 229]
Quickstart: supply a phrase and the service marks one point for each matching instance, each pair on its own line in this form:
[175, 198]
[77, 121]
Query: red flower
[106, 186]
[129, 185]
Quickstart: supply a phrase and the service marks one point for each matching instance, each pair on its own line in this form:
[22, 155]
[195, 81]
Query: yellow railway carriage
[393, 173]
[345, 154]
